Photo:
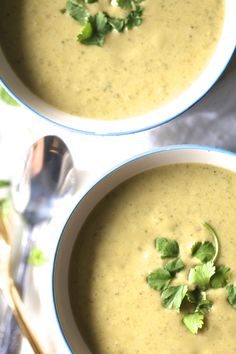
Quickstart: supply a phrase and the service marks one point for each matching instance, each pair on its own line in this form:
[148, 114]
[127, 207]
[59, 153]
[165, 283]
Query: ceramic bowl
[167, 112]
[73, 341]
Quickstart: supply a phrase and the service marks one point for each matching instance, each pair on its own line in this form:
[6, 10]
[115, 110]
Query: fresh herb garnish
[159, 279]
[172, 296]
[204, 306]
[86, 33]
[37, 257]
[125, 4]
[205, 252]
[201, 274]
[174, 266]
[221, 277]
[4, 96]
[231, 295]
[168, 248]
[194, 296]
[77, 10]
[193, 321]
[96, 27]
[201, 277]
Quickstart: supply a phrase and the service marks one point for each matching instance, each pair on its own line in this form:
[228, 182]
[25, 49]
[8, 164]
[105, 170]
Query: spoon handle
[11, 341]
[19, 313]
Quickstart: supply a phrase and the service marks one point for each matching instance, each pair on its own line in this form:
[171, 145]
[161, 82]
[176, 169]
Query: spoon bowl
[48, 176]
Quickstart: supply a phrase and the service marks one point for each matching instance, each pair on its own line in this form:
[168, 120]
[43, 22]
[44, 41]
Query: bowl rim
[154, 151]
[191, 95]
[119, 133]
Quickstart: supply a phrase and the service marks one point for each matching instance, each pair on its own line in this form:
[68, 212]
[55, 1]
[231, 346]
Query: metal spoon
[48, 178]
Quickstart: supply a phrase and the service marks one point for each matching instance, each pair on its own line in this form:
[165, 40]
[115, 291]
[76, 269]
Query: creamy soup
[115, 309]
[133, 73]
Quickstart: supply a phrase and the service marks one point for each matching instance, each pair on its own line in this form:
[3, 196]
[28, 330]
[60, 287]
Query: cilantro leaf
[231, 295]
[174, 266]
[94, 39]
[167, 247]
[77, 10]
[37, 257]
[200, 300]
[193, 321]
[102, 25]
[128, 4]
[5, 97]
[205, 252]
[117, 24]
[86, 32]
[95, 29]
[172, 296]
[195, 247]
[201, 274]
[221, 277]
[134, 18]
[204, 306]
[125, 4]
[194, 296]
[159, 279]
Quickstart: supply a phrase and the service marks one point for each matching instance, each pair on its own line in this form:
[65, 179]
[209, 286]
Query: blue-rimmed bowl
[167, 112]
[70, 335]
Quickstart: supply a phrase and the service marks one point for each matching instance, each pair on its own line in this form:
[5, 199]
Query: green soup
[133, 73]
[115, 309]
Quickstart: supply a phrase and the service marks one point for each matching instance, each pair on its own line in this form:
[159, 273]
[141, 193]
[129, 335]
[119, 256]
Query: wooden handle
[14, 300]
[19, 313]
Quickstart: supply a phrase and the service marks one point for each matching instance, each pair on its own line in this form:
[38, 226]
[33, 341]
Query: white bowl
[73, 340]
[189, 97]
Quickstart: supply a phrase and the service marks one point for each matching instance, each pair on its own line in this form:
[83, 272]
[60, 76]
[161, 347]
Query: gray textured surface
[212, 121]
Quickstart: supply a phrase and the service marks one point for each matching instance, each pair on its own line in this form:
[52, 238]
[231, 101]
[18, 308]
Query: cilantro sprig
[96, 27]
[201, 277]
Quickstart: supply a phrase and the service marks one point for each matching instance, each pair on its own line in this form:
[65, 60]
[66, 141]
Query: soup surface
[114, 307]
[133, 73]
